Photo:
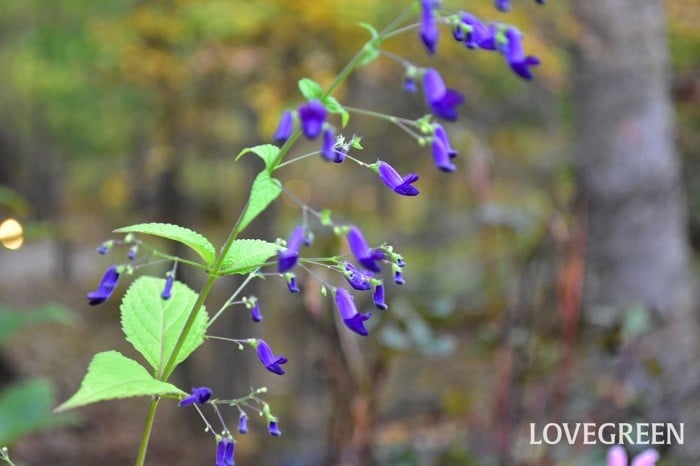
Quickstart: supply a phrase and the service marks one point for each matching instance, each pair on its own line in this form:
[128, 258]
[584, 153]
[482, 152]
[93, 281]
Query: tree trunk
[629, 177]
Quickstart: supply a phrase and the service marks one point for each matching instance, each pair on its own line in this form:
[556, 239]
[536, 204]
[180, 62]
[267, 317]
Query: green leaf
[267, 152]
[192, 239]
[112, 375]
[310, 89]
[25, 407]
[153, 324]
[333, 106]
[265, 189]
[247, 255]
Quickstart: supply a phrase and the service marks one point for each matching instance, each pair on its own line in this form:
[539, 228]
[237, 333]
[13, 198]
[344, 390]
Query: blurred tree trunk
[628, 173]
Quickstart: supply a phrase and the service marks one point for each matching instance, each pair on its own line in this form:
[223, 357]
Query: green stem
[140, 460]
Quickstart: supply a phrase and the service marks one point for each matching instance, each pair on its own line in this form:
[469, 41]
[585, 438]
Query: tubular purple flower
[360, 249]
[198, 395]
[391, 178]
[442, 100]
[243, 424]
[357, 278]
[503, 5]
[352, 319]
[292, 283]
[480, 36]
[398, 277]
[168, 288]
[441, 156]
[312, 116]
[274, 429]
[255, 314]
[429, 30]
[433, 85]
[513, 50]
[225, 450]
[378, 298]
[287, 259]
[284, 128]
[440, 133]
[328, 149]
[268, 359]
[105, 288]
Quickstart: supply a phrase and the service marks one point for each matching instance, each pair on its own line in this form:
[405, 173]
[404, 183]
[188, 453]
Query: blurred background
[551, 278]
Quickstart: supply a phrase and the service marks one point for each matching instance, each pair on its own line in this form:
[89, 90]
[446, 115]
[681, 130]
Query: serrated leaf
[153, 324]
[247, 255]
[265, 189]
[267, 152]
[112, 375]
[333, 106]
[192, 239]
[25, 407]
[310, 89]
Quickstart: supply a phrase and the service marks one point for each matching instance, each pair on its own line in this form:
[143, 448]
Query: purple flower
[398, 277]
[440, 133]
[133, 250]
[105, 288]
[503, 5]
[391, 178]
[198, 395]
[409, 84]
[378, 297]
[285, 128]
[429, 30]
[442, 100]
[312, 116]
[274, 429]
[360, 249]
[105, 247]
[168, 288]
[618, 457]
[441, 156]
[480, 36]
[287, 259]
[513, 50]
[328, 149]
[224, 452]
[269, 360]
[243, 424]
[292, 283]
[357, 278]
[255, 314]
[352, 319]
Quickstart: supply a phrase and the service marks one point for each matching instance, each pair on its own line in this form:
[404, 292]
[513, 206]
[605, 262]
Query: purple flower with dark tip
[198, 395]
[378, 298]
[518, 61]
[105, 288]
[284, 128]
[503, 5]
[271, 362]
[312, 116]
[440, 133]
[292, 284]
[391, 178]
[255, 314]
[328, 148]
[352, 319]
[429, 30]
[224, 452]
[398, 277]
[274, 429]
[360, 249]
[442, 100]
[287, 259]
[358, 279]
[441, 156]
[168, 288]
[243, 424]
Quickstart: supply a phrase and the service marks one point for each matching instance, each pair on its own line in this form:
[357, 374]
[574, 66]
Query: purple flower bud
[352, 319]
[105, 247]
[198, 395]
[429, 30]
[133, 250]
[312, 116]
[268, 359]
[519, 63]
[105, 288]
[442, 100]
[360, 249]
[440, 133]
[274, 429]
[400, 262]
[398, 277]
[391, 178]
[328, 149]
[287, 259]
[358, 279]
[285, 128]
[224, 452]
[409, 84]
[292, 284]
[255, 314]
[441, 156]
[243, 424]
[167, 290]
[503, 5]
[378, 297]
[308, 238]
